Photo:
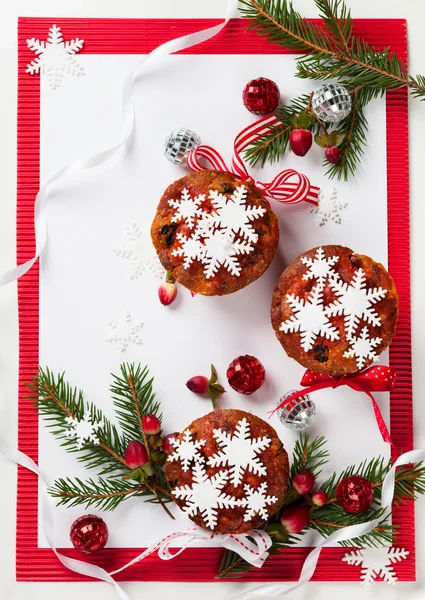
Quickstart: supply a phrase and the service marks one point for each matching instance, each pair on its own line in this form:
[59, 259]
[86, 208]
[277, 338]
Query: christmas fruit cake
[334, 311]
[228, 471]
[213, 233]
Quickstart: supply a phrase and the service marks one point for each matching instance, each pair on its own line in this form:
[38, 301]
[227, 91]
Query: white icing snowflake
[83, 431]
[140, 254]
[222, 249]
[239, 451]
[309, 318]
[376, 562]
[187, 450]
[319, 268]
[355, 301]
[191, 248]
[125, 332]
[204, 496]
[55, 57]
[232, 214]
[256, 501]
[187, 208]
[362, 348]
[329, 207]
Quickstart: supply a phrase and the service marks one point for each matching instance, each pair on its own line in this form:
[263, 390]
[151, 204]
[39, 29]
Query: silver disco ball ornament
[179, 144]
[332, 103]
[299, 413]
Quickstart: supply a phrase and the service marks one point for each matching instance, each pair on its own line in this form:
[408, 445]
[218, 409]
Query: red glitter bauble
[355, 494]
[246, 374]
[261, 96]
[89, 534]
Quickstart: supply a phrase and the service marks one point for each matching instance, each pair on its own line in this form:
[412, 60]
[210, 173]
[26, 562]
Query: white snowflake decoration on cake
[187, 450]
[124, 332]
[205, 495]
[239, 452]
[363, 348]
[140, 254]
[309, 318]
[83, 431]
[187, 208]
[220, 236]
[376, 562]
[329, 208]
[319, 268]
[355, 301]
[55, 57]
[257, 501]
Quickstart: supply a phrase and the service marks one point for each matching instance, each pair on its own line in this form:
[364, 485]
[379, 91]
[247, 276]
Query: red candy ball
[89, 534]
[261, 96]
[355, 494]
[246, 374]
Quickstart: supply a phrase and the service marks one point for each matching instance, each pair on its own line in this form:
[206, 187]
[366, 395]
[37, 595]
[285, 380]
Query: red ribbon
[288, 186]
[375, 379]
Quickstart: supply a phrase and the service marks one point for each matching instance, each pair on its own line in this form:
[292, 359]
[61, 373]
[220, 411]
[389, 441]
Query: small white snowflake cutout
[125, 332]
[221, 249]
[55, 57]
[205, 495]
[186, 450]
[363, 348]
[355, 301]
[140, 254]
[83, 431]
[187, 208]
[191, 248]
[239, 451]
[257, 501]
[376, 562]
[319, 268]
[309, 318]
[329, 207]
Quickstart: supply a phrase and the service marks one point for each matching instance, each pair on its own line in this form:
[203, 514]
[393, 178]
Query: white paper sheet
[83, 284]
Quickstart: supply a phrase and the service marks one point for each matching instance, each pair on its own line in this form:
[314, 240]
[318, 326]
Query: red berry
[167, 293]
[151, 424]
[303, 482]
[198, 384]
[135, 455]
[167, 446]
[295, 518]
[319, 498]
[300, 141]
[333, 154]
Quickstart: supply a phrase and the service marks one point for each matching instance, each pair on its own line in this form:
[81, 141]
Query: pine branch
[337, 19]
[309, 456]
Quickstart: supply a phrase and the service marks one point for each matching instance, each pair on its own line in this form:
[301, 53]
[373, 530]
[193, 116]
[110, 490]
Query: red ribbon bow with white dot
[378, 378]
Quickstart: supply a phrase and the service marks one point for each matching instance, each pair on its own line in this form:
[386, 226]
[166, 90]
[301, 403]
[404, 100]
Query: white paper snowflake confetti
[239, 451]
[376, 562]
[140, 254]
[204, 496]
[309, 318]
[220, 236]
[83, 431]
[257, 501]
[355, 301]
[187, 208]
[363, 348]
[55, 57]
[187, 450]
[329, 208]
[319, 268]
[125, 332]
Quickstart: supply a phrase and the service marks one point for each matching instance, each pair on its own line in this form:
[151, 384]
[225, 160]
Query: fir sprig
[309, 455]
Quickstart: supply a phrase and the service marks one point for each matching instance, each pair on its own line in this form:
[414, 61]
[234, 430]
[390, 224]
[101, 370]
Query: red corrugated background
[121, 36]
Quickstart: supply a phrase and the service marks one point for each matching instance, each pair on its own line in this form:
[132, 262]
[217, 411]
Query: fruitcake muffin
[213, 233]
[334, 311]
[228, 471]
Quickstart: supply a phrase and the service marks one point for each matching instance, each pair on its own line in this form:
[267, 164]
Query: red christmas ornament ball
[89, 534]
[261, 96]
[246, 374]
[355, 494]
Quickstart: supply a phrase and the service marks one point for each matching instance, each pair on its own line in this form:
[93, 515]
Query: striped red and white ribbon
[288, 186]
